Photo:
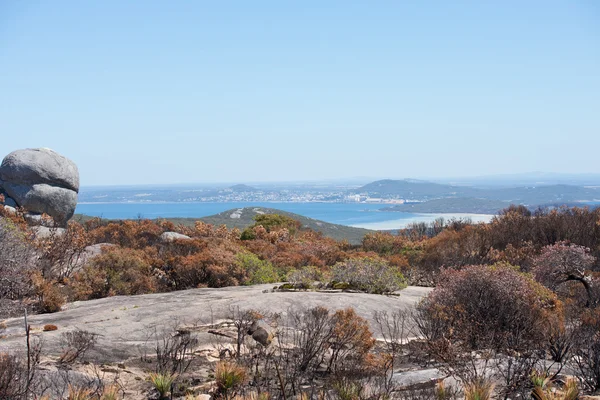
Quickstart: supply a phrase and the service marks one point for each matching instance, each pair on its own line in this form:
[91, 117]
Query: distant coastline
[423, 217]
[348, 214]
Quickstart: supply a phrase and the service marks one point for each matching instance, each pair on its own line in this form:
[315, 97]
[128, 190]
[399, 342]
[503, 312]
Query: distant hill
[527, 195]
[452, 205]
[409, 188]
[526, 179]
[244, 217]
[243, 188]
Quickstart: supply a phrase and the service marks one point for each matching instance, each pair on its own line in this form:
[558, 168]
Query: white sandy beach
[404, 222]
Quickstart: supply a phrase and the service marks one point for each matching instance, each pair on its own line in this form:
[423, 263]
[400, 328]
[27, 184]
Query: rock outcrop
[261, 332]
[167, 237]
[40, 181]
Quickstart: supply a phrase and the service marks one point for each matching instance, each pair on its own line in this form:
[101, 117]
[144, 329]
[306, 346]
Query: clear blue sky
[198, 91]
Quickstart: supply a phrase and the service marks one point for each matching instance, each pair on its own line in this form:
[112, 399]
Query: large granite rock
[40, 181]
[32, 166]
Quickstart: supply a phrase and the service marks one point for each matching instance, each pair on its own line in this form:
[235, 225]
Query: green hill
[244, 217]
[410, 188]
[527, 195]
[452, 205]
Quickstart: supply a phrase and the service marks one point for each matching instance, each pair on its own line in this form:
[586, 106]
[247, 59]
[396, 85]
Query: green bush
[162, 383]
[248, 234]
[258, 271]
[370, 275]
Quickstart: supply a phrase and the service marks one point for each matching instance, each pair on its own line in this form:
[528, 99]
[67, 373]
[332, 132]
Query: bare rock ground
[127, 325]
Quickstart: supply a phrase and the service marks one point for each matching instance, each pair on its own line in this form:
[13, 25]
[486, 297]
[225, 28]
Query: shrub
[481, 389]
[371, 275]
[117, 271]
[13, 377]
[17, 261]
[79, 393]
[48, 293]
[562, 263]
[348, 389]
[350, 342]
[61, 254]
[162, 382]
[488, 307]
[587, 350]
[229, 377]
[543, 389]
[258, 271]
[384, 243]
[277, 221]
[137, 234]
[110, 393]
[76, 344]
[214, 266]
[305, 277]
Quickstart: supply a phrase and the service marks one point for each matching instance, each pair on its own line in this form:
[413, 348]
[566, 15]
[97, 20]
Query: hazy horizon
[140, 93]
[504, 178]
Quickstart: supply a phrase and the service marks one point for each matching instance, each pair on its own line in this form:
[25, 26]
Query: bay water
[361, 215]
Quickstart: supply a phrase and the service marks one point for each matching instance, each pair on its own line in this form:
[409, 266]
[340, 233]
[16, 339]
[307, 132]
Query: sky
[149, 92]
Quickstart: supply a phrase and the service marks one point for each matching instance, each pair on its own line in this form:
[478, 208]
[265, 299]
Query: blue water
[336, 213]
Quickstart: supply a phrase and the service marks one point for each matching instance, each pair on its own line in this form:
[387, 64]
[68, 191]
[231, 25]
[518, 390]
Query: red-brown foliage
[489, 307]
[117, 271]
[213, 266]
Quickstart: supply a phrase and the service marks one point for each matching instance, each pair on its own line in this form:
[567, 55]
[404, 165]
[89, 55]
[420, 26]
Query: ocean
[358, 215]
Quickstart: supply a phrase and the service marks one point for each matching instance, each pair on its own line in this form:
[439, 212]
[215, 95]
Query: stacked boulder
[40, 181]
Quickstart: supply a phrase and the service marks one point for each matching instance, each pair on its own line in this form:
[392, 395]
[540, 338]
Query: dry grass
[229, 377]
[481, 389]
[50, 327]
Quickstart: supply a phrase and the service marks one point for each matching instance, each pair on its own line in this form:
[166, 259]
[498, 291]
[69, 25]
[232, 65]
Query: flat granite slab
[126, 324]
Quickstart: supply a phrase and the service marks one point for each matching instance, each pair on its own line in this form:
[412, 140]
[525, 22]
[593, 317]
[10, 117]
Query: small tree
[563, 262]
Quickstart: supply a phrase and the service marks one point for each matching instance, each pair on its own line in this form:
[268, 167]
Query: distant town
[237, 193]
[407, 195]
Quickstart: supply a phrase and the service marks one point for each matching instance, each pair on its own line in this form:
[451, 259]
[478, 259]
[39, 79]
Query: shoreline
[401, 223]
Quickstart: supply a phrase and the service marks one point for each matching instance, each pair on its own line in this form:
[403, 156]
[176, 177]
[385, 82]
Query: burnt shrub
[485, 307]
[215, 266]
[117, 271]
[484, 322]
[563, 263]
[17, 261]
[76, 344]
[13, 377]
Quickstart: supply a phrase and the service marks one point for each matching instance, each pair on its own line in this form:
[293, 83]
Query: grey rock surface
[90, 252]
[43, 232]
[36, 219]
[420, 377]
[41, 181]
[172, 236]
[55, 201]
[124, 322]
[11, 210]
[31, 166]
